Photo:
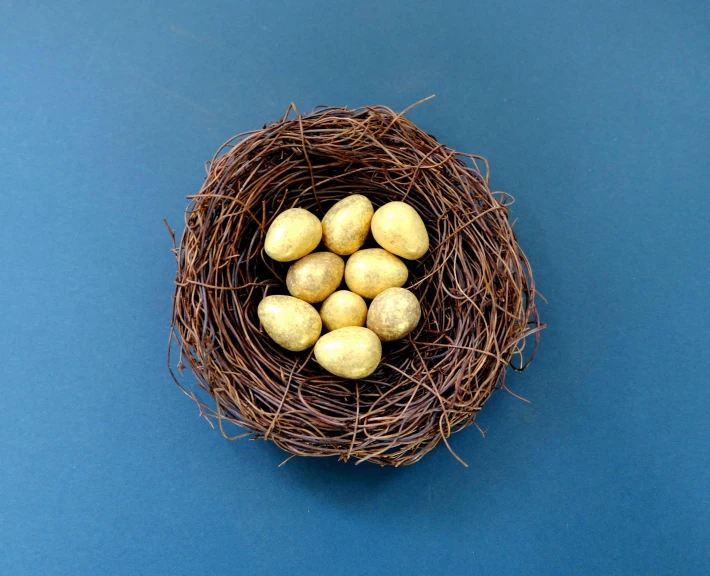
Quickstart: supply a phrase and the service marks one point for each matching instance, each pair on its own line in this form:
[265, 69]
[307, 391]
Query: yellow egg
[369, 272]
[353, 352]
[291, 323]
[347, 224]
[314, 277]
[398, 228]
[393, 314]
[342, 309]
[293, 234]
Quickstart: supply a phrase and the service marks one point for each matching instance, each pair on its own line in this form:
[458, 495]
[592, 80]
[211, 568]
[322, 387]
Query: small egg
[352, 352]
[370, 271]
[291, 323]
[341, 309]
[293, 234]
[347, 224]
[397, 227]
[314, 277]
[393, 314]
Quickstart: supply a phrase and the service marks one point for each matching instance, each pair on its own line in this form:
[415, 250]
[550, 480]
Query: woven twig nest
[475, 287]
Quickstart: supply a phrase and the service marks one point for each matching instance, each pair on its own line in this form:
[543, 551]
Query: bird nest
[475, 287]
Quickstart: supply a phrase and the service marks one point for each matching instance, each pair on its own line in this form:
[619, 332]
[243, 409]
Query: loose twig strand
[475, 287]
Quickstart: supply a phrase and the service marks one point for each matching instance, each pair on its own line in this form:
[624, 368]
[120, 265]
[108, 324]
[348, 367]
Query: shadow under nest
[475, 287]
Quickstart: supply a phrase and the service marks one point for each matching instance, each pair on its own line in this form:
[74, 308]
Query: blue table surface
[594, 115]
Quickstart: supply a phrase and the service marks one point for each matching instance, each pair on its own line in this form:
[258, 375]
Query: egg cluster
[352, 347]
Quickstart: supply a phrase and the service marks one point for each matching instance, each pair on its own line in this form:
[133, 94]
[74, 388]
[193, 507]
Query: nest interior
[475, 287]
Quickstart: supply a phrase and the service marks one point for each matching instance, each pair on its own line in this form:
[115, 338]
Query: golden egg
[314, 277]
[353, 352]
[343, 308]
[393, 314]
[291, 323]
[347, 224]
[293, 234]
[369, 272]
[398, 228]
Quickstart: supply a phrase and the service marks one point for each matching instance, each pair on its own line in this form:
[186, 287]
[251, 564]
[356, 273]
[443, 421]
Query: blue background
[594, 115]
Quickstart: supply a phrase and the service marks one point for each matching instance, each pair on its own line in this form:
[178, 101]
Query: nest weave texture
[475, 287]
